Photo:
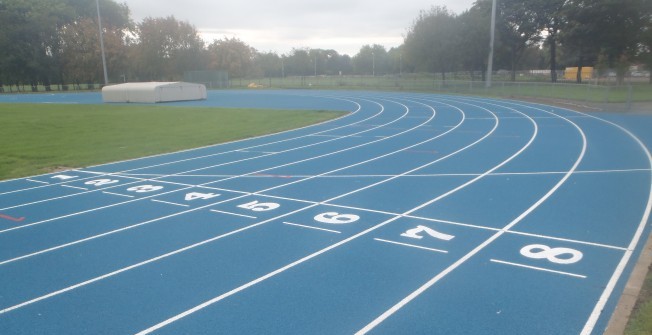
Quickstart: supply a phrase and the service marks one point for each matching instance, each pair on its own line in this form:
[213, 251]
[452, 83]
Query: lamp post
[373, 64]
[490, 62]
[99, 22]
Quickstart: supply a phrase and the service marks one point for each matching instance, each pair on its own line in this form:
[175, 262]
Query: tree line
[57, 41]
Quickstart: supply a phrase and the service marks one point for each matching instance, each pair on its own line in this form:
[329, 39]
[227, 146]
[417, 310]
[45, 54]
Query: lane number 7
[414, 233]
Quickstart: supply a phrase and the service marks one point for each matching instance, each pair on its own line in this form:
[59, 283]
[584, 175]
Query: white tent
[153, 92]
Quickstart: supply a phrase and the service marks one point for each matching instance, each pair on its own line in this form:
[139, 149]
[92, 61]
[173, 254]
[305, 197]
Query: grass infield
[38, 138]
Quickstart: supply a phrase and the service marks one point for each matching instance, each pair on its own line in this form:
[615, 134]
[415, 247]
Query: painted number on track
[259, 206]
[414, 233]
[203, 196]
[101, 182]
[63, 177]
[144, 188]
[554, 255]
[336, 218]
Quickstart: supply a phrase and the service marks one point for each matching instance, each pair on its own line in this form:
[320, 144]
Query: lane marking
[411, 245]
[185, 248]
[311, 227]
[231, 213]
[491, 239]
[38, 181]
[10, 218]
[538, 268]
[119, 194]
[70, 186]
[169, 203]
[359, 107]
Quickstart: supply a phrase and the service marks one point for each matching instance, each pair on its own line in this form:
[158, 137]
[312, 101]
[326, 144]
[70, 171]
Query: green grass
[37, 138]
[640, 322]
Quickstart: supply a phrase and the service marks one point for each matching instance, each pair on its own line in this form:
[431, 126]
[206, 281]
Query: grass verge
[640, 321]
[38, 138]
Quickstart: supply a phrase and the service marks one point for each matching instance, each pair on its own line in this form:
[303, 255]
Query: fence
[623, 98]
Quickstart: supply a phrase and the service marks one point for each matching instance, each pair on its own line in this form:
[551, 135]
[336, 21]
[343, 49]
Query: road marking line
[311, 227]
[170, 203]
[411, 245]
[38, 181]
[230, 213]
[79, 188]
[118, 194]
[538, 268]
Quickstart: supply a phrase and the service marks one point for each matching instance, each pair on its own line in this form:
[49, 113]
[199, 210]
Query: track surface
[413, 214]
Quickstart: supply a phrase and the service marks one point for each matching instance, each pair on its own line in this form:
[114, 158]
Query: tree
[79, 43]
[232, 55]
[371, 60]
[166, 48]
[517, 29]
[473, 41]
[550, 18]
[430, 42]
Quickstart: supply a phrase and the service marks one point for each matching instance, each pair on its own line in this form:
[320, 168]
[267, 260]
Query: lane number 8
[541, 251]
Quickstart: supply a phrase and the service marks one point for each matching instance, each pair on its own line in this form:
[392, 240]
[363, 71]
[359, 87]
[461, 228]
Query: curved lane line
[484, 244]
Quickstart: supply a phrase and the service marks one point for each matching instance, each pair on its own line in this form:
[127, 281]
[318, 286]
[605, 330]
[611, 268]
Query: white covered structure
[153, 92]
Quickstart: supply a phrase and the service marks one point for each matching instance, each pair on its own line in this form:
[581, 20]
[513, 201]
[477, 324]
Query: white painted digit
[414, 233]
[196, 195]
[144, 188]
[100, 182]
[260, 206]
[541, 251]
[63, 177]
[336, 218]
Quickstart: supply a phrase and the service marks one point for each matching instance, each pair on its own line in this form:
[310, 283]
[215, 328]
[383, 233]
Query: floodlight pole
[99, 22]
[490, 62]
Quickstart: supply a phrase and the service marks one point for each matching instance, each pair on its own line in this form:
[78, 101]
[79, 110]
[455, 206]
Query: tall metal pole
[99, 21]
[373, 64]
[490, 63]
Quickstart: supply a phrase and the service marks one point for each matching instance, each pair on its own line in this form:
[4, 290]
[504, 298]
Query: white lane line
[428, 175]
[538, 268]
[169, 203]
[119, 194]
[38, 181]
[487, 242]
[602, 301]
[154, 179]
[568, 240]
[202, 185]
[311, 227]
[170, 253]
[313, 255]
[411, 245]
[237, 161]
[234, 214]
[359, 107]
[620, 268]
[70, 186]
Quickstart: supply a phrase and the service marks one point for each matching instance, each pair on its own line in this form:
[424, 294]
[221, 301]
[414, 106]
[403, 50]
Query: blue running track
[413, 214]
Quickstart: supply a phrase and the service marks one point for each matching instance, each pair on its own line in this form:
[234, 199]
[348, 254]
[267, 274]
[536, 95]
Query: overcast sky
[280, 25]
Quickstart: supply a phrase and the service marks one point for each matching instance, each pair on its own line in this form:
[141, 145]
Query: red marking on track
[12, 218]
[272, 175]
